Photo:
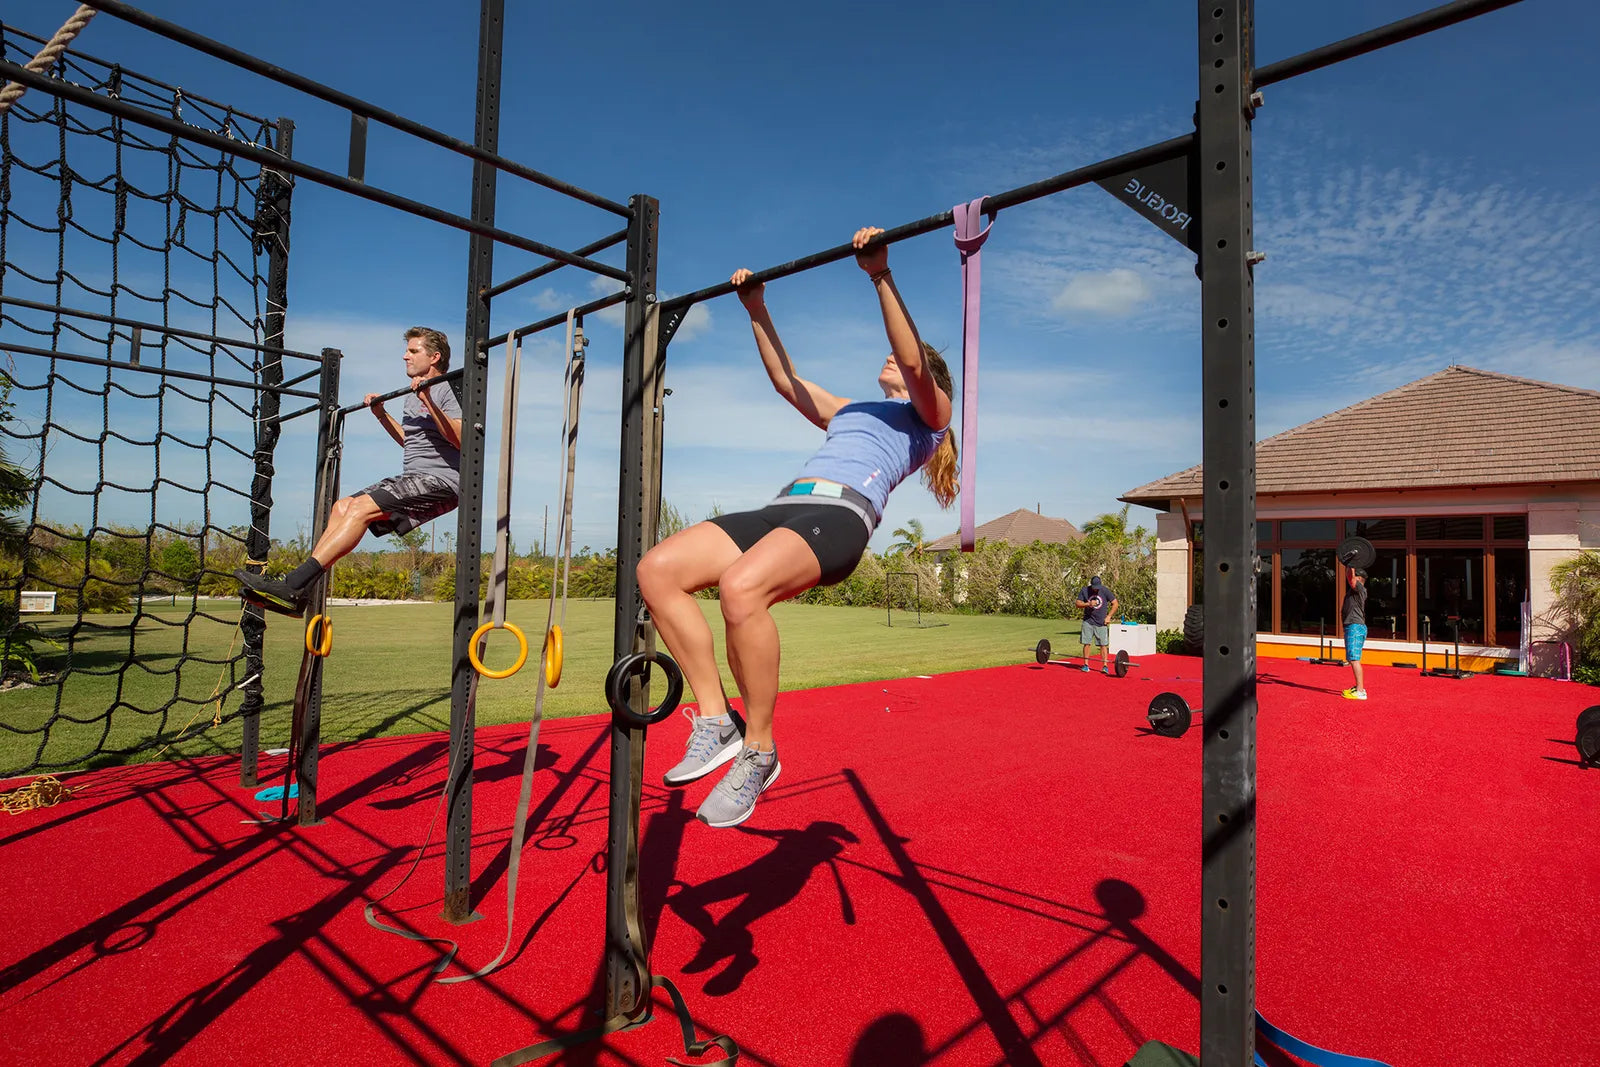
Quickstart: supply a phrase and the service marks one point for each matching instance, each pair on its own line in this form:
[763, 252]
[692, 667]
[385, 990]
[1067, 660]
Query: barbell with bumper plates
[639, 663]
[1589, 736]
[1170, 715]
[1119, 663]
[1357, 553]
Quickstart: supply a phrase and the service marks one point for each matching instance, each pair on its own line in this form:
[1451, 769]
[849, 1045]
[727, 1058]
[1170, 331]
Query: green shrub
[1171, 642]
[1576, 585]
[526, 580]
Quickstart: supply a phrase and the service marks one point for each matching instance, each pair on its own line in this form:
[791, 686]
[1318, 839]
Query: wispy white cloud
[1116, 293]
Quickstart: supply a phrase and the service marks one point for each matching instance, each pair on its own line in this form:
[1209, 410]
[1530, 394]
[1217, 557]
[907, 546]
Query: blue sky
[1433, 203]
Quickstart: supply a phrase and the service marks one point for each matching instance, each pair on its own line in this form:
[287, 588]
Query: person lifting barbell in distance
[1098, 604]
[429, 435]
[813, 533]
[1354, 617]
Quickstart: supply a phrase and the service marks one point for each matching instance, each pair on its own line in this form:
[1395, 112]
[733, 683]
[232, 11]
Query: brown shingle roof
[1458, 427]
[1021, 527]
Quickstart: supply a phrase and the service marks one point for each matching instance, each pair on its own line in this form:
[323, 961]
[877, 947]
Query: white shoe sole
[747, 811]
[727, 754]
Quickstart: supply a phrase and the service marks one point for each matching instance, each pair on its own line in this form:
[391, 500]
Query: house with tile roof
[1019, 528]
[1471, 484]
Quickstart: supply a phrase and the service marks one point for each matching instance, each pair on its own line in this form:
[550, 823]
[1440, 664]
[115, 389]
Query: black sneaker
[271, 593]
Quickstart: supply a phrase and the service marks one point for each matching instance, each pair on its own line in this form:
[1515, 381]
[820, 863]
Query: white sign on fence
[36, 601]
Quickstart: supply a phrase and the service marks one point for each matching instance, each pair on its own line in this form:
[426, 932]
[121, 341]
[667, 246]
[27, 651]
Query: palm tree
[1111, 526]
[913, 540]
[17, 639]
[16, 487]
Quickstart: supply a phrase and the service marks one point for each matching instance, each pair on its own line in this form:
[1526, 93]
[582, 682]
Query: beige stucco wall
[1562, 520]
[1172, 571]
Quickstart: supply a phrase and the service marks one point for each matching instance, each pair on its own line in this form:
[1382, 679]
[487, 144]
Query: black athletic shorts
[410, 500]
[837, 535]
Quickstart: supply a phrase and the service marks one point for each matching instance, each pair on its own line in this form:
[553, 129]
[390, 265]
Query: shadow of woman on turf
[760, 887]
[892, 1040]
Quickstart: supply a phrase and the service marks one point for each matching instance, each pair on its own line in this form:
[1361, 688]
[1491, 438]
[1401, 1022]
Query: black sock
[302, 576]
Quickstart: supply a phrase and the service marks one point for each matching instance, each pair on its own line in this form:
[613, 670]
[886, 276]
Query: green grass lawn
[390, 672]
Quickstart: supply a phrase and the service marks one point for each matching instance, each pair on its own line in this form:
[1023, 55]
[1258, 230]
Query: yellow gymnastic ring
[326, 645]
[552, 657]
[522, 649]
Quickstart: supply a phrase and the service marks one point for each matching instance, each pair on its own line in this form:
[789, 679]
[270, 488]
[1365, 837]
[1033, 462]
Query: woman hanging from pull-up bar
[813, 533]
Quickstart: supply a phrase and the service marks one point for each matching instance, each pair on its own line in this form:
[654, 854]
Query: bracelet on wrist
[879, 276]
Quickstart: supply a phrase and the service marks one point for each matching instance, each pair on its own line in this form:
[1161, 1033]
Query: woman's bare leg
[669, 575]
[776, 568]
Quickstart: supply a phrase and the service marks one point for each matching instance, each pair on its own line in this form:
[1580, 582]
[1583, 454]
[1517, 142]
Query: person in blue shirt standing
[813, 533]
[1099, 604]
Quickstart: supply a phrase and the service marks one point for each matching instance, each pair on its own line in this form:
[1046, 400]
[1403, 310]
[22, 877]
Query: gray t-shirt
[1355, 605]
[427, 452]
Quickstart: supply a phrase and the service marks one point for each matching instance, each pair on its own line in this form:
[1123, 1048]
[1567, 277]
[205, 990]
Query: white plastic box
[1135, 640]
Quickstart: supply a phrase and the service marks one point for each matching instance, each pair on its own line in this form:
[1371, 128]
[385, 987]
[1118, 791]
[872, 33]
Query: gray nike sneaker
[733, 799]
[712, 742]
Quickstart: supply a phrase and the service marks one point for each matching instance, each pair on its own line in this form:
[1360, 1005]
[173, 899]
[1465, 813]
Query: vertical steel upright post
[627, 966]
[469, 514]
[325, 489]
[1227, 309]
[272, 230]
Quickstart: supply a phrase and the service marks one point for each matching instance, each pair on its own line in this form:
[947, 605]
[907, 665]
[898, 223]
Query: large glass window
[1197, 564]
[1450, 528]
[1264, 595]
[1307, 601]
[1308, 530]
[1510, 590]
[1386, 595]
[1376, 529]
[1450, 588]
[1511, 527]
[1407, 585]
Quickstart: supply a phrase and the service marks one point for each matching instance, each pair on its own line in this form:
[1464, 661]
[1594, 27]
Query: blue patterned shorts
[1355, 639]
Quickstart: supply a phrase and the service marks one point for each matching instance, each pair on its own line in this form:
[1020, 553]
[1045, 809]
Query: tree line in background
[108, 569]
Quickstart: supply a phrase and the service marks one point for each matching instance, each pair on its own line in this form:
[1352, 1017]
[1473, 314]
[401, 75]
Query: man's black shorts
[836, 535]
[410, 500]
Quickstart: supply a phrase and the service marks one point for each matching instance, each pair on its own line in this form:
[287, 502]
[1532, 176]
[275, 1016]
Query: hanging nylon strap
[1317, 1057]
[691, 1047]
[519, 828]
[500, 574]
[500, 570]
[969, 240]
[316, 604]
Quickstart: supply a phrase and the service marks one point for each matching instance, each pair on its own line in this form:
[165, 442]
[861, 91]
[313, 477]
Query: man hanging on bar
[429, 431]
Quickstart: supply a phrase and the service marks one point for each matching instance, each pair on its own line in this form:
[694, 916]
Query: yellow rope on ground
[48, 54]
[47, 790]
[39, 793]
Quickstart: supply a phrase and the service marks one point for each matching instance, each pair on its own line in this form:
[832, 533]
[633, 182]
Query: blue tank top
[873, 446]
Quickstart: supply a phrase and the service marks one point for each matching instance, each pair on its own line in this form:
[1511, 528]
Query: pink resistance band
[969, 239]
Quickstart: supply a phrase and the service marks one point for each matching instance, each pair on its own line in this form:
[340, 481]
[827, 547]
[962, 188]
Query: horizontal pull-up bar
[1362, 43]
[228, 54]
[539, 272]
[598, 304]
[165, 372]
[281, 419]
[117, 320]
[142, 81]
[274, 161]
[1156, 153]
[447, 376]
